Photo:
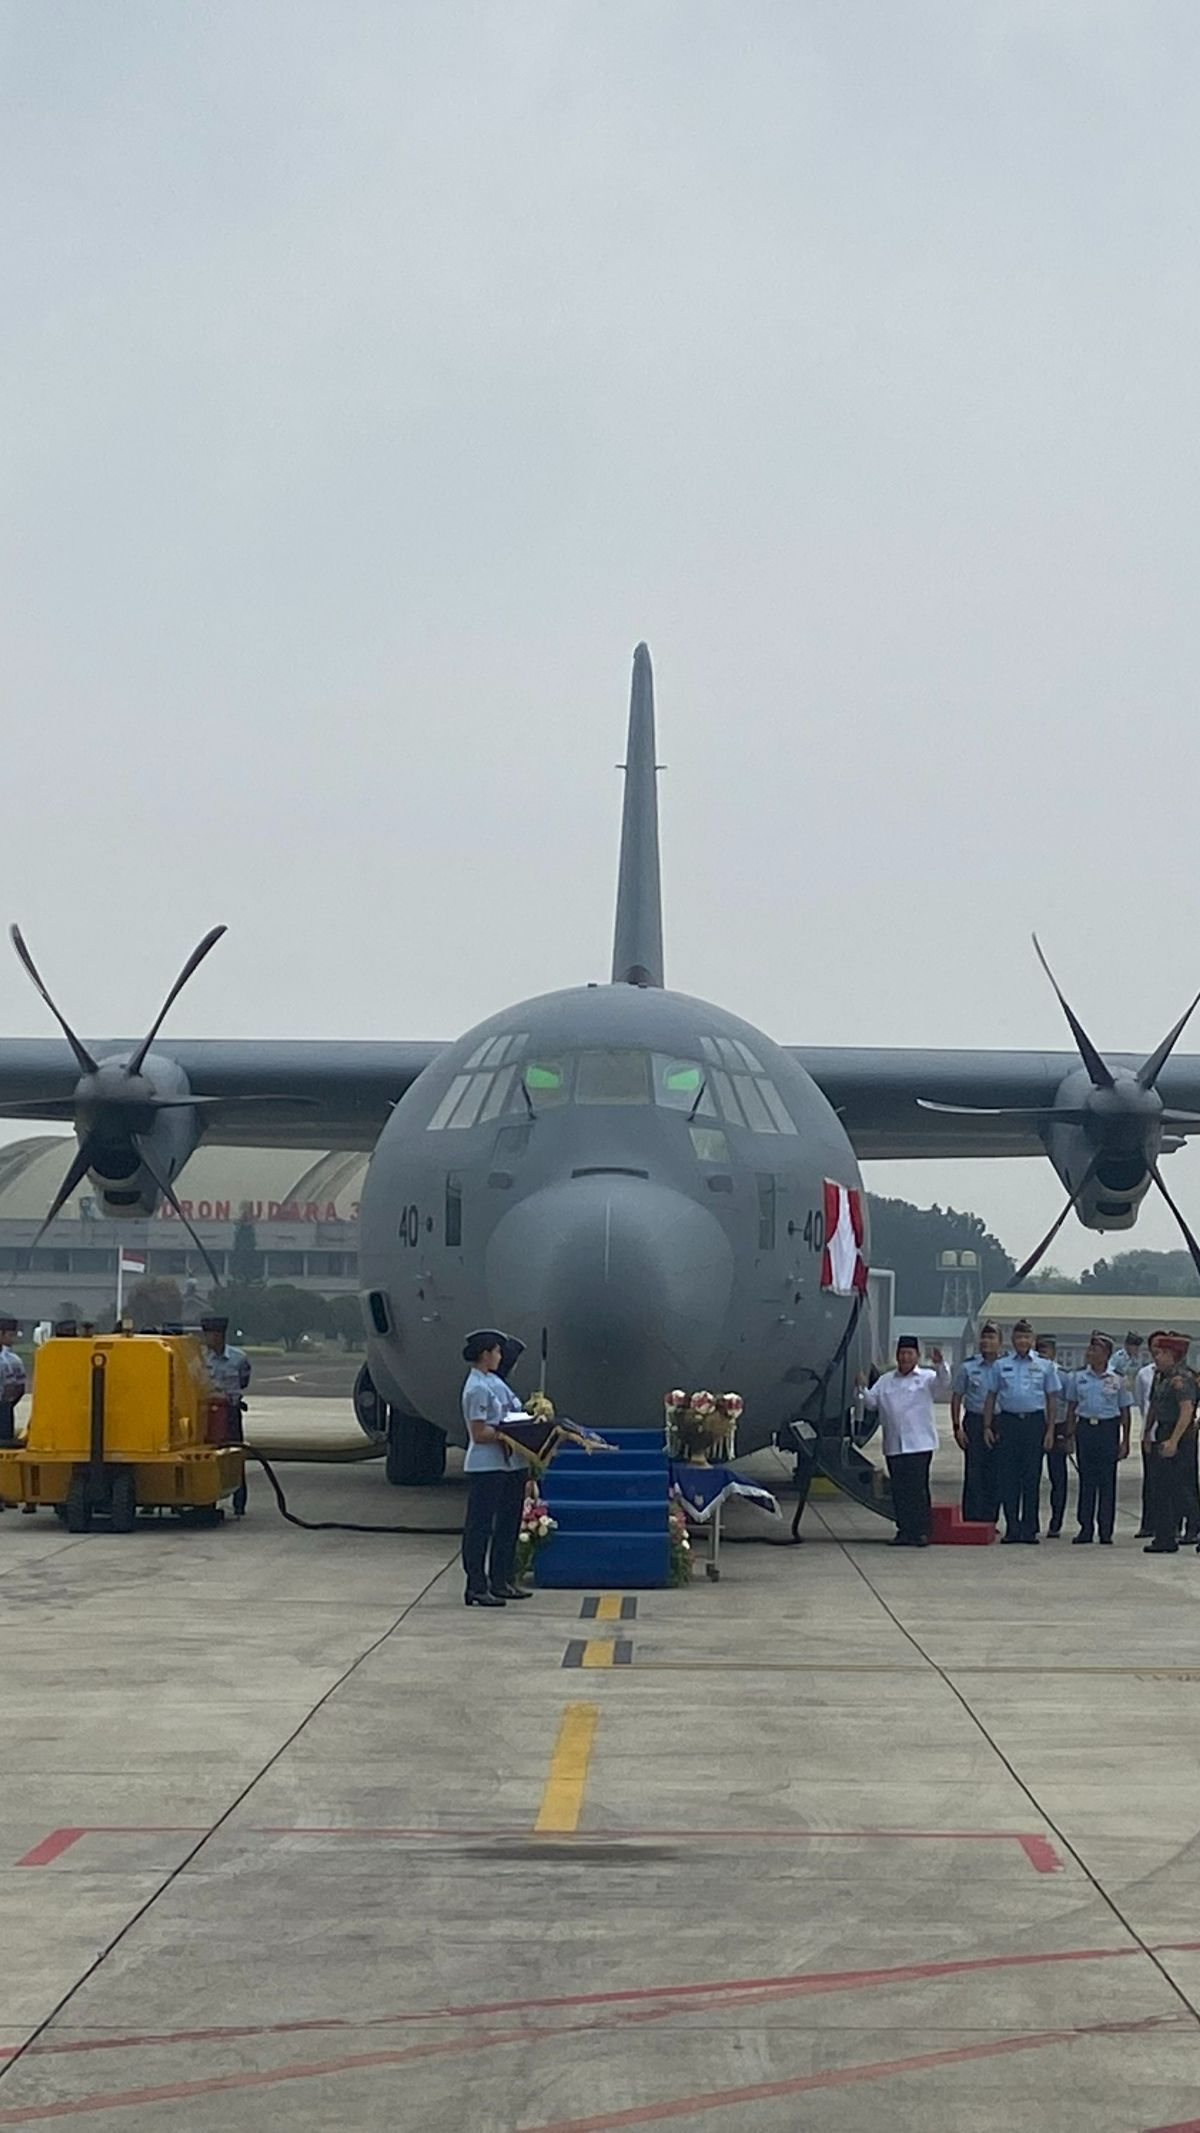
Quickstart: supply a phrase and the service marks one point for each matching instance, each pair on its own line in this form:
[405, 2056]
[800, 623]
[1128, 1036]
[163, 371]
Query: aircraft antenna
[637, 939]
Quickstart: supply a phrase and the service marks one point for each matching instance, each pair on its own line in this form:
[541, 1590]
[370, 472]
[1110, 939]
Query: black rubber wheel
[370, 1411]
[416, 1452]
[122, 1509]
[77, 1511]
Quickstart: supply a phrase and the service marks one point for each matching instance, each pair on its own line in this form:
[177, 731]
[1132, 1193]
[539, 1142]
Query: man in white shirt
[904, 1400]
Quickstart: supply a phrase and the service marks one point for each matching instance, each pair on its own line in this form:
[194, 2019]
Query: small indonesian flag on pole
[843, 1268]
[133, 1263]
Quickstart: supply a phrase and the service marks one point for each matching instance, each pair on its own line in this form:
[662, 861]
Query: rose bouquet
[536, 1528]
[681, 1547]
[702, 1425]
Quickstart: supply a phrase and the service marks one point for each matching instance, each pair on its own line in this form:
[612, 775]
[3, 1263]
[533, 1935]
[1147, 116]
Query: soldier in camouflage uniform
[1170, 1424]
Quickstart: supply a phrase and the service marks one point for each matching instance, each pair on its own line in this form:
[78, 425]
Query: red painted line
[52, 1847]
[1187, 2125]
[834, 2077]
[175, 2092]
[734, 1990]
[1037, 1849]
[61, 1840]
[1041, 1855]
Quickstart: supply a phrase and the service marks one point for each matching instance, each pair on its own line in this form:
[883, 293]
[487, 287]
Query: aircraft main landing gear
[416, 1452]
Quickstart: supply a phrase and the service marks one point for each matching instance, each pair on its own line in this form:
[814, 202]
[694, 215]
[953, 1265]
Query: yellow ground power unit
[122, 1423]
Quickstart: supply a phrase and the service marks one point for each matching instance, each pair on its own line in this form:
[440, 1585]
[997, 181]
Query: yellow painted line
[609, 1607]
[598, 1651]
[562, 1797]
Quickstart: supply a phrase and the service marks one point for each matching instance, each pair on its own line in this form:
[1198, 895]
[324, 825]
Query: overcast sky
[374, 376]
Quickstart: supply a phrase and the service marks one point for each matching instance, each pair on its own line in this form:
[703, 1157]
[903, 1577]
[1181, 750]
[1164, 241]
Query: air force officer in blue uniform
[1019, 1418]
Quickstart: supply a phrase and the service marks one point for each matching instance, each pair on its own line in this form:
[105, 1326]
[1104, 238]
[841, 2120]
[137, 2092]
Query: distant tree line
[911, 1239]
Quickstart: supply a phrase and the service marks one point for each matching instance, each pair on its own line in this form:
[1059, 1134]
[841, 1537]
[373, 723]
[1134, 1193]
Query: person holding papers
[495, 1472]
[904, 1399]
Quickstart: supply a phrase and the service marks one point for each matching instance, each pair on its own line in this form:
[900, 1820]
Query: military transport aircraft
[656, 1189]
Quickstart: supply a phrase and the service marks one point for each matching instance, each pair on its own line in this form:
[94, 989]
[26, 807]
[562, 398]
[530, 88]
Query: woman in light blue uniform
[1098, 1417]
[495, 1475]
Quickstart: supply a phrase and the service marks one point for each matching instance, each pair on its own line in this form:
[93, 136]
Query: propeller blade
[1045, 1112]
[83, 1057]
[81, 1163]
[1152, 1067]
[59, 1108]
[237, 1103]
[1183, 1119]
[169, 1195]
[1041, 1249]
[193, 963]
[1192, 1243]
[1101, 1077]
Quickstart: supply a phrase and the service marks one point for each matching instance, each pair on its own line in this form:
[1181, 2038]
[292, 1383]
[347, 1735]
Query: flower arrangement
[536, 1528]
[702, 1425]
[681, 1547]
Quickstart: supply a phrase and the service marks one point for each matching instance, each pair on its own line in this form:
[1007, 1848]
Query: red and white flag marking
[843, 1268]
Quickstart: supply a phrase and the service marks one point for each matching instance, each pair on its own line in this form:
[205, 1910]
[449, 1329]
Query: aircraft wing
[875, 1094]
[331, 1093]
[327, 1094]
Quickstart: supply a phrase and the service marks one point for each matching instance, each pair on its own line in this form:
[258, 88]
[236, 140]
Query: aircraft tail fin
[637, 940]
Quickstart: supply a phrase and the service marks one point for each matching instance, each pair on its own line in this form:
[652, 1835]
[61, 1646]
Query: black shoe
[899, 1540]
[1144, 1533]
[1154, 1549]
[1052, 1532]
[921, 1541]
[481, 1599]
[1082, 1540]
[511, 1592]
[1030, 1540]
[1009, 1540]
[1106, 1540]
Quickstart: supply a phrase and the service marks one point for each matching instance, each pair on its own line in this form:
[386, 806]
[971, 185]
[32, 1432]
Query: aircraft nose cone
[632, 1281]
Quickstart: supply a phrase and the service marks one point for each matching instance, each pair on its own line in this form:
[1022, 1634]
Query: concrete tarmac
[857, 1839]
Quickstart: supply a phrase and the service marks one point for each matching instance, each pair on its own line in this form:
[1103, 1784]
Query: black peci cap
[909, 1340]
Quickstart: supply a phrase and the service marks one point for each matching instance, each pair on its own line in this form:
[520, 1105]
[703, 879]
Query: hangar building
[304, 1206]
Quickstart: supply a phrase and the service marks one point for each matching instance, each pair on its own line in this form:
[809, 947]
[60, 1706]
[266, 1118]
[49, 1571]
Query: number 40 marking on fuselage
[814, 1229]
[410, 1224]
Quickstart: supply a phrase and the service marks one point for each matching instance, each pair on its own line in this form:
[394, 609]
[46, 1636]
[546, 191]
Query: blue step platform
[611, 1509]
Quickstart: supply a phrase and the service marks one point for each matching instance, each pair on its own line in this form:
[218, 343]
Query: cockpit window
[548, 1081]
[728, 1083]
[682, 1085]
[612, 1078]
[710, 1144]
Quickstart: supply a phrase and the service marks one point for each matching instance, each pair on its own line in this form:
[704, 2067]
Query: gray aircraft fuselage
[619, 1204]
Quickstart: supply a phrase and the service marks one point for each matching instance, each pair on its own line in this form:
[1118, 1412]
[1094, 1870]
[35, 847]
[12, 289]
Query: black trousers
[1020, 1449]
[981, 1483]
[493, 1521]
[909, 1473]
[1189, 1450]
[1146, 1521]
[1056, 1468]
[1096, 1448]
[1168, 1485]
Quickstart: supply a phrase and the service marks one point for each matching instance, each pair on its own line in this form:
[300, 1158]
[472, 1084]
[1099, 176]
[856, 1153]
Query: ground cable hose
[335, 1525]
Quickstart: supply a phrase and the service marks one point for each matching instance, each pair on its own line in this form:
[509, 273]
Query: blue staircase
[611, 1509]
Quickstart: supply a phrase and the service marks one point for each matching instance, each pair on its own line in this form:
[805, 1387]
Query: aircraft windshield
[729, 1083]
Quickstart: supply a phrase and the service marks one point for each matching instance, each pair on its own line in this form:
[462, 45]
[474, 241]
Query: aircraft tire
[416, 1452]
